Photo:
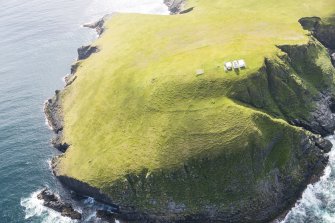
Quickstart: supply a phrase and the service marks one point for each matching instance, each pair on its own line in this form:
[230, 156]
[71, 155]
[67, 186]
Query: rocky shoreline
[53, 201]
[52, 107]
[53, 113]
[322, 123]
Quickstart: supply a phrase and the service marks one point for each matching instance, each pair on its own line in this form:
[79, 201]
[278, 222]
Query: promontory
[217, 113]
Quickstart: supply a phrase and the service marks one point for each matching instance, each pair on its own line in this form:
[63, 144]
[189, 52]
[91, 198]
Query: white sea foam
[318, 201]
[34, 209]
[89, 201]
[102, 7]
[46, 121]
[65, 77]
[49, 162]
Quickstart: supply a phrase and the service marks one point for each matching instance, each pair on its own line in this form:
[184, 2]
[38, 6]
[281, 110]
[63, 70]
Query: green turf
[138, 105]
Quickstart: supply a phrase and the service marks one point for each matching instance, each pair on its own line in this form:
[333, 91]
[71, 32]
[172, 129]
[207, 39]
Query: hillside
[150, 133]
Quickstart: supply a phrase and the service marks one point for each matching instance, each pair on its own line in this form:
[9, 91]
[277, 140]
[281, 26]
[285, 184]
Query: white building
[228, 66]
[241, 64]
[235, 64]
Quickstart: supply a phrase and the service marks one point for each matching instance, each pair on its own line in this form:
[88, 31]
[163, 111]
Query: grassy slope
[137, 104]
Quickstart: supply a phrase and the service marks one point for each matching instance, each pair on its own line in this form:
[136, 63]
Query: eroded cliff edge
[261, 182]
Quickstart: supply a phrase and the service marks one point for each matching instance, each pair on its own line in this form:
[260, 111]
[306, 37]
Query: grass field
[137, 104]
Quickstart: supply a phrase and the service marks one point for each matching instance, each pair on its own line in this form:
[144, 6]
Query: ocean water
[318, 201]
[38, 40]
[38, 43]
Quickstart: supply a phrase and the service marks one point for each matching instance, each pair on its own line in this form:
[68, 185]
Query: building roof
[228, 65]
[235, 64]
[241, 63]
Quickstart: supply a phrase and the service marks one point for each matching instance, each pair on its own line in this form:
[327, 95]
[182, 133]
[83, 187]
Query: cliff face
[53, 113]
[207, 149]
[323, 30]
[304, 74]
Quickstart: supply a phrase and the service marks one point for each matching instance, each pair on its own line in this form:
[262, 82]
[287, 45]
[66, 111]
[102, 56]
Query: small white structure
[235, 64]
[241, 64]
[228, 66]
[199, 72]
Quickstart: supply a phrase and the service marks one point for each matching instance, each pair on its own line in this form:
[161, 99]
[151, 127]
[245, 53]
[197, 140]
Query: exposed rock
[187, 10]
[175, 6]
[324, 144]
[52, 201]
[68, 211]
[323, 118]
[323, 31]
[85, 51]
[83, 189]
[309, 23]
[74, 67]
[98, 25]
[47, 195]
[70, 80]
[52, 111]
[57, 143]
[106, 215]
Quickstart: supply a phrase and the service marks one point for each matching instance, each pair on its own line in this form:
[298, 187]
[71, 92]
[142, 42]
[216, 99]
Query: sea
[38, 44]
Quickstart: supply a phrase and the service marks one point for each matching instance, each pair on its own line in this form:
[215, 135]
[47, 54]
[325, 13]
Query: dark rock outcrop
[175, 6]
[84, 189]
[74, 67]
[85, 52]
[332, 56]
[186, 10]
[52, 201]
[310, 23]
[323, 117]
[70, 80]
[106, 215]
[324, 144]
[52, 111]
[98, 25]
[324, 31]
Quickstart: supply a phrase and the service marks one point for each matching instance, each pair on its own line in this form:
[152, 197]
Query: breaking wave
[318, 201]
[34, 210]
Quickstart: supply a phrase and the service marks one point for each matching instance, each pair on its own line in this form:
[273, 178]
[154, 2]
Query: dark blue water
[38, 42]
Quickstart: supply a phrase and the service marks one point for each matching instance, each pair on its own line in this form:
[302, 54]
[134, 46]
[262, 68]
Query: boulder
[106, 215]
[50, 200]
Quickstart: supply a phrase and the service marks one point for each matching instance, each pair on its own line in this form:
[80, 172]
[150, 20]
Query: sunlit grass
[138, 103]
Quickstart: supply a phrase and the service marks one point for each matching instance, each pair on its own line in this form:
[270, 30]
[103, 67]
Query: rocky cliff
[229, 150]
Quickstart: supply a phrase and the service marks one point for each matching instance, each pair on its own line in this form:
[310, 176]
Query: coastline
[53, 112]
[54, 118]
[52, 106]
